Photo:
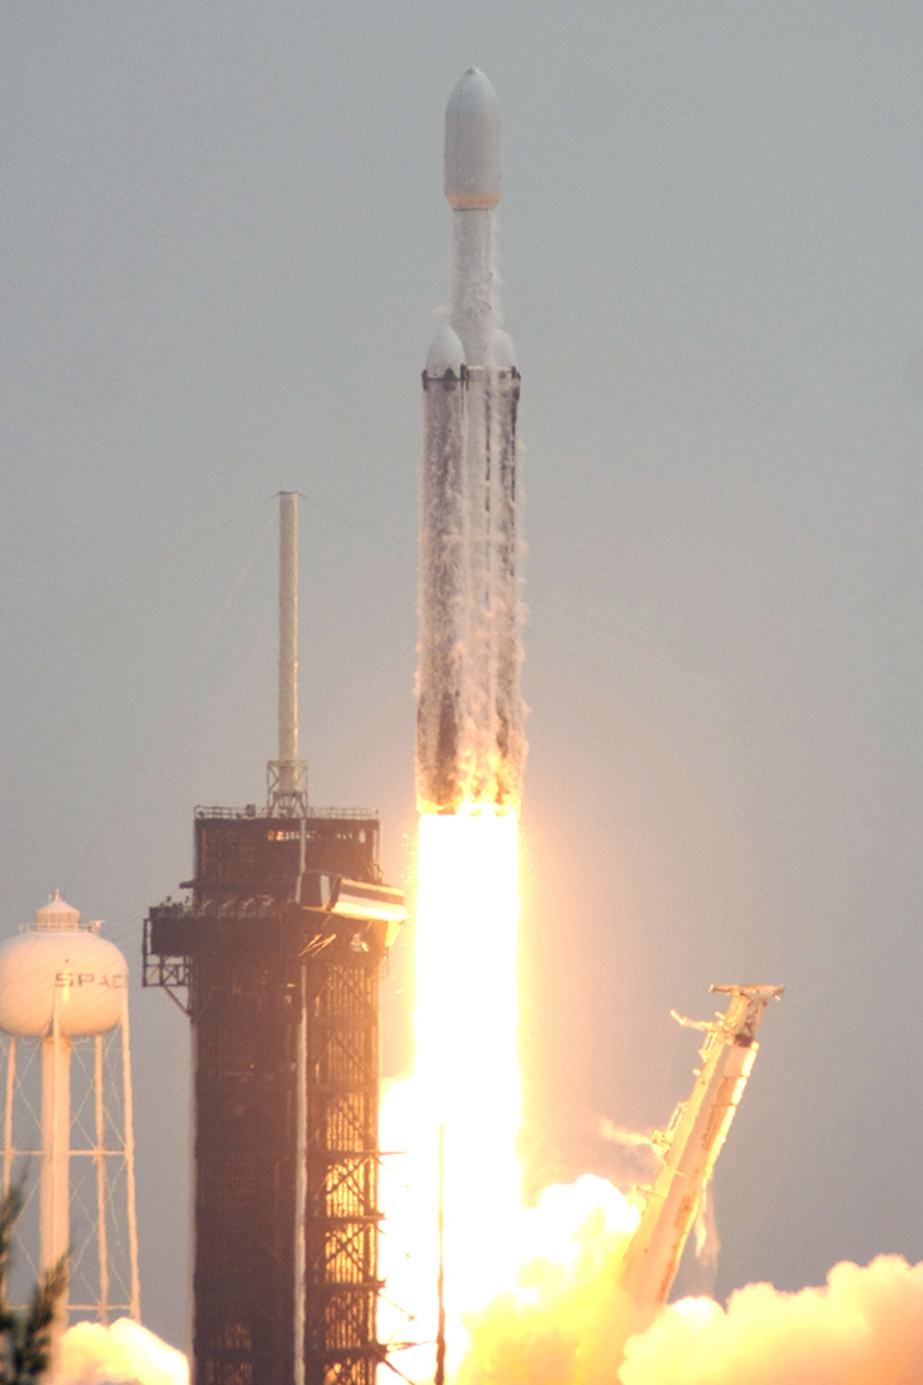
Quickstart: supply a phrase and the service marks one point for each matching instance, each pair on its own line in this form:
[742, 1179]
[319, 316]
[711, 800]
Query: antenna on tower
[287, 777]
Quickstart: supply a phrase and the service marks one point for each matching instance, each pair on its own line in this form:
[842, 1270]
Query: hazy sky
[223, 239]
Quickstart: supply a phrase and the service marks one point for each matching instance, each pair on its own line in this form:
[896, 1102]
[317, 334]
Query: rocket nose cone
[472, 142]
[446, 353]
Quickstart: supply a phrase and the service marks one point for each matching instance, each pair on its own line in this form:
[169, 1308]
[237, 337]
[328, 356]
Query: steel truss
[283, 1002]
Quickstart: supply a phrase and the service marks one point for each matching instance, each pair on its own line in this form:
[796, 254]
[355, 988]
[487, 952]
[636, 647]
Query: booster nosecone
[473, 143]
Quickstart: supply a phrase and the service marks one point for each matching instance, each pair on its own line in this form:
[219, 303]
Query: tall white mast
[288, 776]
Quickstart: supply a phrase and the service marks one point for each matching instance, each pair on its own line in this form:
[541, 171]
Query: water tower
[66, 1108]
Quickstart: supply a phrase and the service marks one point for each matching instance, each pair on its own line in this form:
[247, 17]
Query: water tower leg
[128, 1111]
[55, 1227]
[8, 1114]
[54, 1222]
[99, 1155]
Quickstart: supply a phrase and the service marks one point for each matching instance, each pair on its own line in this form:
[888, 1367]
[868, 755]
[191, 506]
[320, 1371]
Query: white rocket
[470, 744]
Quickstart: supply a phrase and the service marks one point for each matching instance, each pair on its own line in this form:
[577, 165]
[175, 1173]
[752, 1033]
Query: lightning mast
[287, 777]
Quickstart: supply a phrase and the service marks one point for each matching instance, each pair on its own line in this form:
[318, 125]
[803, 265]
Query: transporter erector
[690, 1146]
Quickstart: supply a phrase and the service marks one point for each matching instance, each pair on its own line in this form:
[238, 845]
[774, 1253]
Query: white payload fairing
[470, 744]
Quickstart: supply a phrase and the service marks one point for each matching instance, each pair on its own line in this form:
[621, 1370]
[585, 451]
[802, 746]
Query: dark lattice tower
[276, 958]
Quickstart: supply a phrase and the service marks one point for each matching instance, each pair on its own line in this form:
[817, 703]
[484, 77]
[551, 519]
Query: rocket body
[470, 744]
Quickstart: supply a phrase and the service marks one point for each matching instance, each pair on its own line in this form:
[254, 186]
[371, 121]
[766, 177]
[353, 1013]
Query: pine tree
[25, 1335]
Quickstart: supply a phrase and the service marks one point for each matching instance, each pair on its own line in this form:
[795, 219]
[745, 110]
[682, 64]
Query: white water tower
[67, 1108]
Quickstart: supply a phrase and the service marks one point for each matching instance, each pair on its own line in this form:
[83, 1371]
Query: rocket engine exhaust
[470, 744]
[460, 1109]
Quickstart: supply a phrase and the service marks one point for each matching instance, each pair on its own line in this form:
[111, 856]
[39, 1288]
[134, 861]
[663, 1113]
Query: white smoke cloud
[124, 1354]
[864, 1327]
[566, 1323]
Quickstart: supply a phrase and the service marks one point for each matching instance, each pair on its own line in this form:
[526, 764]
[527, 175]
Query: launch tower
[276, 959]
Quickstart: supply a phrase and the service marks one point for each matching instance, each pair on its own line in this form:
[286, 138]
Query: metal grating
[342, 1214]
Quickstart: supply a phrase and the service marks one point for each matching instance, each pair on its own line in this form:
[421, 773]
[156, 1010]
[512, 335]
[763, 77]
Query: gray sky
[223, 237]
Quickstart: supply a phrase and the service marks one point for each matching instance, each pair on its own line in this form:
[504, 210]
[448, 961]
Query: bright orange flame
[512, 1275]
[465, 1021]
[466, 1076]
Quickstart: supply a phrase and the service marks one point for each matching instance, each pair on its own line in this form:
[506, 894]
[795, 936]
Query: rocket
[470, 743]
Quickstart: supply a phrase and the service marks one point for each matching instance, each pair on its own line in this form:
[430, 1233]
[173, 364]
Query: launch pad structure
[283, 1002]
[276, 957]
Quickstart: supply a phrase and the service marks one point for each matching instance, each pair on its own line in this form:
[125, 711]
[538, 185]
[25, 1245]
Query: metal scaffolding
[283, 1001]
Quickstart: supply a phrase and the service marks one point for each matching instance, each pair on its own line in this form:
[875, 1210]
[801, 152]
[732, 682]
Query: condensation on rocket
[470, 742]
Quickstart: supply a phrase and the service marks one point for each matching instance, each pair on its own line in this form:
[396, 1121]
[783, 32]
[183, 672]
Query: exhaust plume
[563, 1323]
[124, 1354]
[864, 1327]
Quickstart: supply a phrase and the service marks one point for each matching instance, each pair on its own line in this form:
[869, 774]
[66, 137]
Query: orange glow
[512, 1274]
[466, 1074]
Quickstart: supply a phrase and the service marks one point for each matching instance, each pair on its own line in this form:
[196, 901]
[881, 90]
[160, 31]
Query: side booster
[470, 744]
